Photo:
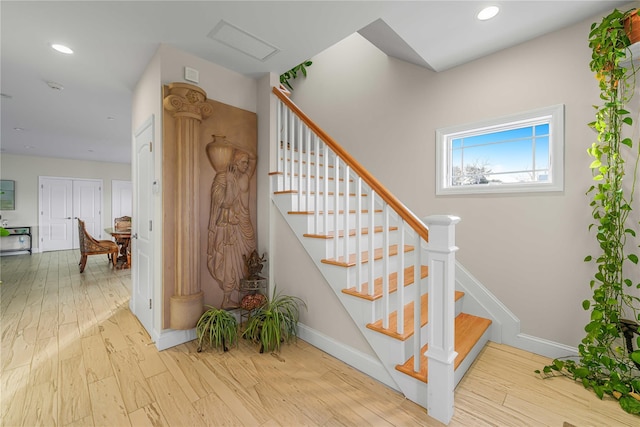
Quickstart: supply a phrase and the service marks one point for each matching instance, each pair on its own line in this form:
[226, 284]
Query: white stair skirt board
[479, 301]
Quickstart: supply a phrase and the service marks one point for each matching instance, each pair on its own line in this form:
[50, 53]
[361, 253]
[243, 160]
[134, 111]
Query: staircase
[393, 273]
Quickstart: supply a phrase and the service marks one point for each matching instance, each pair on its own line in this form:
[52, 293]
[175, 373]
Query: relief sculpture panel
[224, 225]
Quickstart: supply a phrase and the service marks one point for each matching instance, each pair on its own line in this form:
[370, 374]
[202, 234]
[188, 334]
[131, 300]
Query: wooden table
[123, 239]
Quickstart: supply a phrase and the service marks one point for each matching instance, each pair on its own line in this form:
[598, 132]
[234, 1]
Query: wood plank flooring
[74, 355]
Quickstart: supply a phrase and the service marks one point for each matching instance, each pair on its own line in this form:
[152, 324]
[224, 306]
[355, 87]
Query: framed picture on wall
[7, 195]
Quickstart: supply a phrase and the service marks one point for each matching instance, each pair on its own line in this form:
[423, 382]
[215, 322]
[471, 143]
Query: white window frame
[553, 115]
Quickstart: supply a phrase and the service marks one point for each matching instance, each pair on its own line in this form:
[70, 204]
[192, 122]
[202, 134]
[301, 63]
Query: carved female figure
[231, 234]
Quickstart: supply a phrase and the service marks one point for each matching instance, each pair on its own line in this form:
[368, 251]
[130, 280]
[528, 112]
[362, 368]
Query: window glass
[523, 152]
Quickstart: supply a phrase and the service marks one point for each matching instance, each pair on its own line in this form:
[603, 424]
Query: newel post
[441, 260]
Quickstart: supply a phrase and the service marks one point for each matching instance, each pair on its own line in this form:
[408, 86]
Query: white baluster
[417, 304]
[307, 159]
[279, 151]
[372, 224]
[299, 150]
[358, 241]
[316, 197]
[345, 221]
[285, 157]
[325, 197]
[385, 266]
[400, 289]
[336, 206]
[292, 145]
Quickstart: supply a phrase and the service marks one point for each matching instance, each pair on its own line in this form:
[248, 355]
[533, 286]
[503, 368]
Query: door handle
[68, 217]
[134, 236]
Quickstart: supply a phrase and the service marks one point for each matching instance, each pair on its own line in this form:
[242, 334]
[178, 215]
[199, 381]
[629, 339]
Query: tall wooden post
[187, 103]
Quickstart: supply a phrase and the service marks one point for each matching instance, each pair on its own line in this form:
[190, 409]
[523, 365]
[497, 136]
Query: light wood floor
[74, 355]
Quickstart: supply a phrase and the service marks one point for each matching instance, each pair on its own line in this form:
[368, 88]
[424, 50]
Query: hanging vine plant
[609, 359]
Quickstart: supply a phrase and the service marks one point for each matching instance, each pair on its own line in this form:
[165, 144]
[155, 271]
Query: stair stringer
[391, 352]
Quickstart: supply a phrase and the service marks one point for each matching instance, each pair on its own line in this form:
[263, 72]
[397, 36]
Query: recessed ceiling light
[54, 85]
[110, 118]
[62, 48]
[488, 13]
[18, 129]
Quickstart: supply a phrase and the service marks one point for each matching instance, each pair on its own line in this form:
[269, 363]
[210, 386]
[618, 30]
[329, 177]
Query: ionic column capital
[188, 101]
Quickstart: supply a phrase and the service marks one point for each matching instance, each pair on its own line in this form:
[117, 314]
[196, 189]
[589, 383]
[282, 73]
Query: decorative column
[187, 104]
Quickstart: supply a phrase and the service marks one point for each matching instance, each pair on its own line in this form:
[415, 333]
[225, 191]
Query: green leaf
[630, 405]
[627, 142]
[581, 372]
[588, 258]
[595, 164]
[586, 304]
[633, 258]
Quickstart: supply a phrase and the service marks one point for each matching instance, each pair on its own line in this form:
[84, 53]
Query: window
[518, 153]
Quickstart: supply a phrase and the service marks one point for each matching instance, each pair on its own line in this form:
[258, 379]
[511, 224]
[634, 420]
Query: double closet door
[61, 201]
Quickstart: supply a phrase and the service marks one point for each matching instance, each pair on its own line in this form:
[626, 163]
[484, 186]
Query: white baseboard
[363, 362]
[542, 346]
[168, 338]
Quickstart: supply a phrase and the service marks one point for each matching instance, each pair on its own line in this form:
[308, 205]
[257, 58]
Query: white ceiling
[114, 40]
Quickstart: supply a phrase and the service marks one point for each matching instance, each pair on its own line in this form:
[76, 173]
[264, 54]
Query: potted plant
[274, 322]
[293, 73]
[608, 362]
[216, 327]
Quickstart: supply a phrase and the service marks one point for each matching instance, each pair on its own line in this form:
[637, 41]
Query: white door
[87, 205]
[143, 228]
[62, 200]
[56, 214]
[121, 199]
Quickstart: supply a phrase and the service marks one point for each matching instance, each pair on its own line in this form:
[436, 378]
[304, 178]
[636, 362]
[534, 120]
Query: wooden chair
[91, 246]
[122, 223]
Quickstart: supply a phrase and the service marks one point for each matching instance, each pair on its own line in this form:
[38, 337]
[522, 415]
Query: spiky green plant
[216, 327]
[274, 322]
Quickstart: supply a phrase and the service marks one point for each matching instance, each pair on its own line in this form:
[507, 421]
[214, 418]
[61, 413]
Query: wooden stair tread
[408, 319]
[393, 251]
[468, 330]
[393, 284]
[352, 232]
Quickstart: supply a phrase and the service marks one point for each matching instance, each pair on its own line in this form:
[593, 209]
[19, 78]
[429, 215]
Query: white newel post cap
[442, 232]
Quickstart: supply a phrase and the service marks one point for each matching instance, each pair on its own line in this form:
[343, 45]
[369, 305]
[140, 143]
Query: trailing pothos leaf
[293, 73]
[608, 363]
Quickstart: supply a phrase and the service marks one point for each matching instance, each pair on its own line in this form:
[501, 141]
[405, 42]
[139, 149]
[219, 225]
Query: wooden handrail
[409, 217]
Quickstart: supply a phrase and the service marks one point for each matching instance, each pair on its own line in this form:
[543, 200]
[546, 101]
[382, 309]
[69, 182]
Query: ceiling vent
[242, 41]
